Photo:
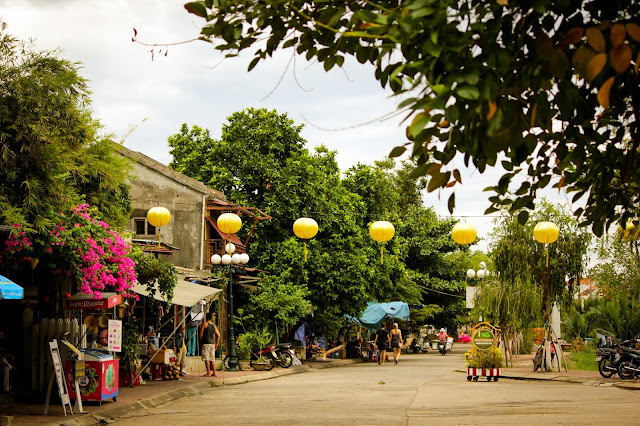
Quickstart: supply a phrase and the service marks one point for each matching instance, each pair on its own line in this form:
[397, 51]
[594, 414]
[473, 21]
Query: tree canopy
[343, 271]
[546, 89]
[52, 156]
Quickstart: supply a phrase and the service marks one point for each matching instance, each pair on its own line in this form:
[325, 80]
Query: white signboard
[59, 372]
[114, 340]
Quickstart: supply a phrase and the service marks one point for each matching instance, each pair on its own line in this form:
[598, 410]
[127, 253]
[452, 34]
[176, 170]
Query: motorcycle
[284, 355]
[419, 344]
[608, 361]
[630, 364]
[611, 360]
[281, 355]
[442, 347]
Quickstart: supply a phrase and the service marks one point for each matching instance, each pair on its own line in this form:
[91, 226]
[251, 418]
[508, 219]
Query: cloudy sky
[153, 94]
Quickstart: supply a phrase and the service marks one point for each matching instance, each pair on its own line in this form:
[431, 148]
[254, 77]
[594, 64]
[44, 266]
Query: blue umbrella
[9, 289]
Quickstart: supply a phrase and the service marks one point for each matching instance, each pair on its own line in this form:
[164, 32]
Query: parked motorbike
[284, 355]
[442, 347]
[608, 360]
[281, 355]
[419, 344]
[611, 360]
[630, 363]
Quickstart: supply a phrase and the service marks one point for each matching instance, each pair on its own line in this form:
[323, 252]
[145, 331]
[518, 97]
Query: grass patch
[583, 360]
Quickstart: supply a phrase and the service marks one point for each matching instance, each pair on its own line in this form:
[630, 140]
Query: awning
[10, 290]
[376, 313]
[88, 302]
[184, 294]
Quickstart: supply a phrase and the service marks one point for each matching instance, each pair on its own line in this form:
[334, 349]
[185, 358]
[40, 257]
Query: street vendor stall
[98, 378]
[187, 295]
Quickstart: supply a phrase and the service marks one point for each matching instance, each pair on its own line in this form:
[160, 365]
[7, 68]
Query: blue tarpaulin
[376, 312]
[9, 289]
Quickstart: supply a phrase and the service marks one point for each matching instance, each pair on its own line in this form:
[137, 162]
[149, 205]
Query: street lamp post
[232, 264]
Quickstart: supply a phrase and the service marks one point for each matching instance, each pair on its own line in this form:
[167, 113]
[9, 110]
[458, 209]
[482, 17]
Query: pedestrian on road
[396, 342]
[209, 336]
[383, 340]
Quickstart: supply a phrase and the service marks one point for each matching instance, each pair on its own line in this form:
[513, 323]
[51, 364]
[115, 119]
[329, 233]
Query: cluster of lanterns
[381, 231]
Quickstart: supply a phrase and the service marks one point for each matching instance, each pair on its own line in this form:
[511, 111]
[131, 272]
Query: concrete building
[191, 236]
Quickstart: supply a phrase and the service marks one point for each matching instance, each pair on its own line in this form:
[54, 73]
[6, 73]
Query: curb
[105, 416]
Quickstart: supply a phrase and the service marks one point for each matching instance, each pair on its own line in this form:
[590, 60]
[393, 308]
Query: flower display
[490, 358]
[95, 256]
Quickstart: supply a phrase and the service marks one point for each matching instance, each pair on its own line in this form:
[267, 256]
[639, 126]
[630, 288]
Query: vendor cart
[100, 379]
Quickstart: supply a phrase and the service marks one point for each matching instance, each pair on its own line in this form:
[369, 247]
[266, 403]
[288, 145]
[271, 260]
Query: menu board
[114, 339]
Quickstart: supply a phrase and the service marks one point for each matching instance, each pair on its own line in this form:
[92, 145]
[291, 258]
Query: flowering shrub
[490, 358]
[94, 255]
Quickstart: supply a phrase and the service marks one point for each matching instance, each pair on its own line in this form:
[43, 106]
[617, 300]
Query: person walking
[382, 340]
[396, 342]
[210, 337]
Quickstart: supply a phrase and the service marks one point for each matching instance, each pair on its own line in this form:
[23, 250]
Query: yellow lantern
[229, 223]
[630, 232]
[464, 233]
[546, 233]
[305, 228]
[158, 217]
[382, 231]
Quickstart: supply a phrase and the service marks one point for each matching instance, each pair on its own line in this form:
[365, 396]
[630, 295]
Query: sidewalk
[523, 370]
[151, 394]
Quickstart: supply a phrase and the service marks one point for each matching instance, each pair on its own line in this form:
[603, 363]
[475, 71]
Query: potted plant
[485, 362]
[243, 351]
[130, 351]
[259, 339]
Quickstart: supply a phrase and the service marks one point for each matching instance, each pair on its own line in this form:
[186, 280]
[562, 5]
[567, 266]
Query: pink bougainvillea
[94, 255]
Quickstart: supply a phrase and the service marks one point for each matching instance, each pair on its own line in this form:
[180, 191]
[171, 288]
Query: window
[142, 227]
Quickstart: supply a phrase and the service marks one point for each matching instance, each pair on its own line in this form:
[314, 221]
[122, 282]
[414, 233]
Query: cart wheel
[475, 378]
[495, 379]
[469, 378]
[488, 378]
[114, 398]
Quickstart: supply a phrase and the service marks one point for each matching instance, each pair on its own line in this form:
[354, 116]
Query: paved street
[422, 389]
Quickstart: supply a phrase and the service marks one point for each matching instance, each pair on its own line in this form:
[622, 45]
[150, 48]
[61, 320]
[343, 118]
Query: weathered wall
[150, 189]
[154, 184]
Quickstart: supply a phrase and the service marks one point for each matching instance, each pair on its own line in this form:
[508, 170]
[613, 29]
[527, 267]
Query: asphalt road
[421, 389]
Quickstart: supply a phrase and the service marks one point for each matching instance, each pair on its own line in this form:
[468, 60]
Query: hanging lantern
[546, 233]
[229, 223]
[464, 233]
[630, 232]
[158, 217]
[471, 273]
[305, 228]
[382, 231]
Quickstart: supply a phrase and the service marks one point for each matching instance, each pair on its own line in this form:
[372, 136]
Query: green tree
[343, 271]
[521, 268]
[546, 89]
[52, 156]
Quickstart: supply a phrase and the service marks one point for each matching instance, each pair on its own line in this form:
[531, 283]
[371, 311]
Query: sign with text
[114, 342]
[483, 336]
